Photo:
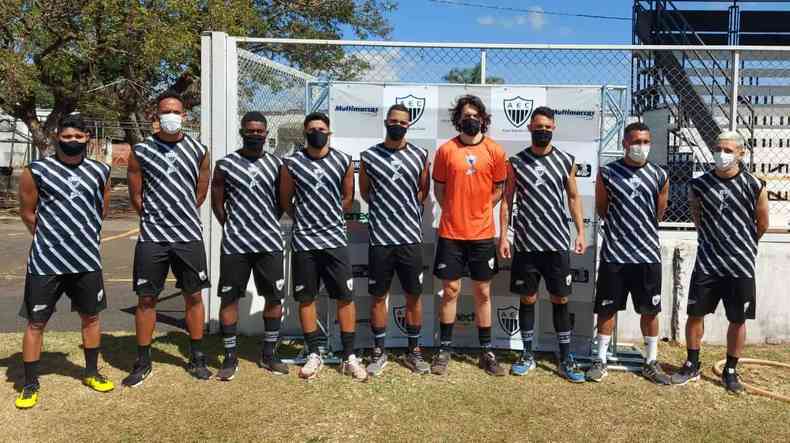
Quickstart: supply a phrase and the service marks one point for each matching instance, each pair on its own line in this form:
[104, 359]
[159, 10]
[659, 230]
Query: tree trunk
[132, 134]
[38, 134]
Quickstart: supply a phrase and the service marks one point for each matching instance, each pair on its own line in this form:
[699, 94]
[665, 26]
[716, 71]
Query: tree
[471, 76]
[110, 58]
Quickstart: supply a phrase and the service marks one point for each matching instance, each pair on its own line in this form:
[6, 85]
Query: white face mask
[170, 123]
[724, 160]
[639, 153]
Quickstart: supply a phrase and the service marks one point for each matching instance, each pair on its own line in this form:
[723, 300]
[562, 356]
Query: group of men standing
[64, 198]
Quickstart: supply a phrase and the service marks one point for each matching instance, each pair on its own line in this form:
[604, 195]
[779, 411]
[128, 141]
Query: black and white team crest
[517, 110]
[415, 105]
[508, 320]
[399, 315]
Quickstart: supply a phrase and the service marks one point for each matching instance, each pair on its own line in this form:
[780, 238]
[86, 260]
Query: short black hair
[397, 107]
[169, 94]
[474, 101]
[544, 111]
[254, 116]
[73, 121]
[316, 116]
[635, 126]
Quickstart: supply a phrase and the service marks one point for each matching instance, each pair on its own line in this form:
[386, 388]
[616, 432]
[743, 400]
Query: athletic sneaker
[377, 362]
[687, 373]
[570, 370]
[311, 367]
[28, 397]
[353, 367]
[139, 373]
[273, 364]
[653, 372]
[598, 371]
[440, 362]
[98, 383]
[488, 363]
[523, 365]
[415, 361]
[198, 368]
[230, 366]
[732, 381]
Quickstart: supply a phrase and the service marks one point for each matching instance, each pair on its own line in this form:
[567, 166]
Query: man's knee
[193, 299]
[89, 320]
[36, 327]
[451, 289]
[146, 303]
[343, 304]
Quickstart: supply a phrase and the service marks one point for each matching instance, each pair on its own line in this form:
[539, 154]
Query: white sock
[651, 349]
[603, 346]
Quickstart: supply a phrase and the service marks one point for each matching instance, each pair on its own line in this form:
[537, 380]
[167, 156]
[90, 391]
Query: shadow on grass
[51, 363]
[120, 352]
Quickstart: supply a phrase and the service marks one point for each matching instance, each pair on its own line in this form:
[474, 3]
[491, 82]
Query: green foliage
[471, 76]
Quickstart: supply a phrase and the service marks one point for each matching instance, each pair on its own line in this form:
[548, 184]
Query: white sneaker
[311, 367]
[354, 367]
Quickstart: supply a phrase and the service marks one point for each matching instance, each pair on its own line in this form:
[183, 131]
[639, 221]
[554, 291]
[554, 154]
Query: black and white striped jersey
[251, 203]
[68, 216]
[727, 238]
[631, 223]
[318, 207]
[170, 173]
[395, 213]
[540, 214]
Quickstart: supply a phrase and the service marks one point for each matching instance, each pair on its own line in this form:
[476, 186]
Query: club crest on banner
[415, 105]
[517, 110]
[399, 315]
[508, 319]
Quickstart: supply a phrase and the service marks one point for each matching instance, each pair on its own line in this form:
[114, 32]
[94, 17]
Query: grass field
[465, 406]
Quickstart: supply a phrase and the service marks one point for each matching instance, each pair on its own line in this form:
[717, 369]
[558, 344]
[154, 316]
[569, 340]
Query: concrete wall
[678, 250]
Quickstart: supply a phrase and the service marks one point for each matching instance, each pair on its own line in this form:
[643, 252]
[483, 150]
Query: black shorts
[528, 267]
[42, 292]
[152, 261]
[616, 280]
[459, 258]
[385, 261]
[266, 269]
[737, 294]
[330, 266]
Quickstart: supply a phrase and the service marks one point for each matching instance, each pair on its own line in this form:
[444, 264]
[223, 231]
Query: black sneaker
[440, 362]
[653, 372]
[197, 368]
[273, 364]
[488, 363]
[415, 361]
[732, 381]
[689, 372]
[230, 366]
[139, 373]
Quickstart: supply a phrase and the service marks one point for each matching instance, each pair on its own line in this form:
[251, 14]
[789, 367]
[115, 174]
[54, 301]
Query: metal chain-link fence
[684, 93]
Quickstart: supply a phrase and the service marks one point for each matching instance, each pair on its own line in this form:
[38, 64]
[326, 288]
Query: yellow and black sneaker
[98, 383]
[28, 397]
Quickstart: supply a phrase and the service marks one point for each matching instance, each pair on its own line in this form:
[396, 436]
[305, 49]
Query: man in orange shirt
[469, 173]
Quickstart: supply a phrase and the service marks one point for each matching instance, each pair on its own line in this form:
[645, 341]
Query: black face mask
[254, 142]
[396, 132]
[317, 139]
[470, 126]
[541, 138]
[73, 148]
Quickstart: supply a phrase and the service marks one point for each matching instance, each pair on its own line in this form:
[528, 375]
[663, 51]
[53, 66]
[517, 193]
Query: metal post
[482, 66]
[736, 79]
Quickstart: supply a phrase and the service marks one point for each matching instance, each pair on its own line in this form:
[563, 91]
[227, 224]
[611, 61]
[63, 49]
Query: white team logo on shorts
[350, 284]
[491, 263]
[371, 281]
[441, 266]
[519, 282]
[656, 299]
[141, 281]
[298, 288]
[226, 289]
[279, 284]
[746, 306]
[100, 295]
[606, 302]
[568, 280]
[420, 277]
[37, 308]
[202, 275]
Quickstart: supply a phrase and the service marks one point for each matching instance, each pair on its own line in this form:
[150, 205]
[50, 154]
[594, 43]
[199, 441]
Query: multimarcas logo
[353, 108]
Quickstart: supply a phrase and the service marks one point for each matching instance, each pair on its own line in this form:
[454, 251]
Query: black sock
[229, 340]
[379, 336]
[347, 338]
[31, 372]
[271, 335]
[562, 326]
[314, 341]
[484, 337]
[731, 362]
[526, 322]
[91, 361]
[413, 332]
[693, 356]
[445, 336]
[144, 354]
[194, 348]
